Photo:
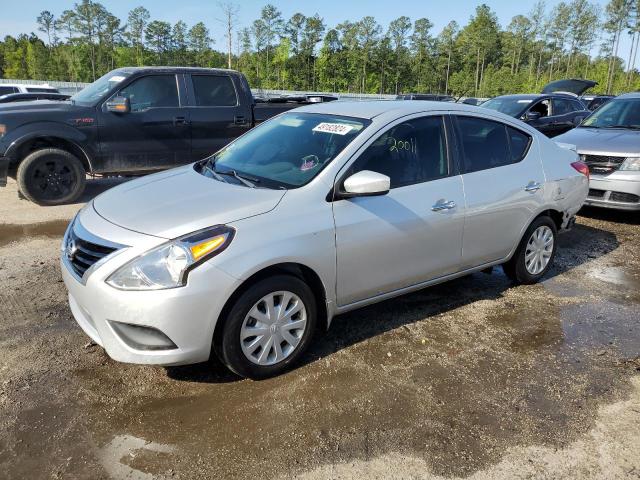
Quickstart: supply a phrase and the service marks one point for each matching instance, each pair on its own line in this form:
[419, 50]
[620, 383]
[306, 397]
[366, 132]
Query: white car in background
[9, 88]
[316, 212]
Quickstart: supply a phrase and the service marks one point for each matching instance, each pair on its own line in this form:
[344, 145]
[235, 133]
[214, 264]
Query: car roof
[175, 69]
[629, 95]
[370, 109]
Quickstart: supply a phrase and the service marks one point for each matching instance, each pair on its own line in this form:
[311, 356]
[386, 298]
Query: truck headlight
[631, 163]
[168, 265]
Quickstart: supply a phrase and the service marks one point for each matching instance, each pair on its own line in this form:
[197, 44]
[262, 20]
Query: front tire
[268, 327]
[51, 176]
[535, 254]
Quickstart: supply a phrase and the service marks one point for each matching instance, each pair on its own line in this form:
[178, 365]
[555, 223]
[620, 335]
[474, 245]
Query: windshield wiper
[248, 181]
[215, 174]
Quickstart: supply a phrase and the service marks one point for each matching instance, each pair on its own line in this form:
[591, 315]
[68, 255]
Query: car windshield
[509, 106]
[94, 92]
[285, 152]
[617, 113]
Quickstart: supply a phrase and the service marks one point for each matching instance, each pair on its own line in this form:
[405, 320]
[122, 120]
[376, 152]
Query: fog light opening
[139, 337]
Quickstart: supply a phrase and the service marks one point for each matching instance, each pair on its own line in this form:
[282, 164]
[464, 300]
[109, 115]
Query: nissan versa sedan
[321, 210]
[609, 143]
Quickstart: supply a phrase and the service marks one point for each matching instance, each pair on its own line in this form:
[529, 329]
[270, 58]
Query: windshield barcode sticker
[337, 128]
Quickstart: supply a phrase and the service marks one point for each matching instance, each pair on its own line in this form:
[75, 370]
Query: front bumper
[619, 191]
[186, 315]
[4, 171]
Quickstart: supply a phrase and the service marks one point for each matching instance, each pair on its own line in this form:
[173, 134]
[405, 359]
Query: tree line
[576, 38]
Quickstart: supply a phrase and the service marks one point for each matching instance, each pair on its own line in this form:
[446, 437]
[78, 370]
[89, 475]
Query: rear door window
[214, 91]
[562, 106]
[487, 144]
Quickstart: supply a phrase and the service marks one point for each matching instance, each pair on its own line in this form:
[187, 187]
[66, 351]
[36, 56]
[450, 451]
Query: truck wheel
[269, 326]
[51, 177]
[535, 254]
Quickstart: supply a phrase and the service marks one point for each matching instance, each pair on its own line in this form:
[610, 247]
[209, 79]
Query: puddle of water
[10, 233]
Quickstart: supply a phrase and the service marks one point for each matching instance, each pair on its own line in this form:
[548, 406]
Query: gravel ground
[474, 378]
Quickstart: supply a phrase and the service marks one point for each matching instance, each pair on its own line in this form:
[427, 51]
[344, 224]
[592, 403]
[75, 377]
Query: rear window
[214, 91]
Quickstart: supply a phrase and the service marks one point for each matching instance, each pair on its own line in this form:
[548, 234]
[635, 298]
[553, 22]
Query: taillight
[581, 167]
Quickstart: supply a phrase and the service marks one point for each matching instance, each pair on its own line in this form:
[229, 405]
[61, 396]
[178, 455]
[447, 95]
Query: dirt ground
[474, 378]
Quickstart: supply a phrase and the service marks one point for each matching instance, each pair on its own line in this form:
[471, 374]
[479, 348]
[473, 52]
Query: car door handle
[180, 121]
[533, 187]
[239, 120]
[443, 205]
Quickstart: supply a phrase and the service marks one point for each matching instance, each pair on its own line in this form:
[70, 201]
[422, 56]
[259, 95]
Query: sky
[23, 19]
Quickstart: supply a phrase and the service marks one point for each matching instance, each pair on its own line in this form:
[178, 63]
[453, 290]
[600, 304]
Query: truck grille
[82, 254]
[602, 164]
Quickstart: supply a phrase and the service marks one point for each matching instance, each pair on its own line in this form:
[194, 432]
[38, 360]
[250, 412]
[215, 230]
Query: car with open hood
[554, 111]
[318, 211]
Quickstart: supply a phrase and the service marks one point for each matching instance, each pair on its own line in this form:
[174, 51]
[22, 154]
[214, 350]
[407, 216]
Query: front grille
[593, 193]
[624, 197]
[602, 164]
[82, 254]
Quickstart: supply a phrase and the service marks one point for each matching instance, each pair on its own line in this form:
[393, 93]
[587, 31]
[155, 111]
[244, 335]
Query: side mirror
[366, 184]
[118, 105]
[529, 116]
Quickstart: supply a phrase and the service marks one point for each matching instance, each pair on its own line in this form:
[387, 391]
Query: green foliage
[301, 53]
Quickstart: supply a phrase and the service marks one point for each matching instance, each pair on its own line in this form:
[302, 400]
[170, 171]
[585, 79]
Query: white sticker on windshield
[525, 101]
[337, 128]
[116, 78]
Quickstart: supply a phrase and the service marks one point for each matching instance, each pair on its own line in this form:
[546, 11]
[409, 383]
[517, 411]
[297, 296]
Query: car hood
[39, 106]
[571, 85]
[614, 141]
[180, 201]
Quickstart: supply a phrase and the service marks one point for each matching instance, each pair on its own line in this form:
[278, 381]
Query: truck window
[154, 91]
[214, 91]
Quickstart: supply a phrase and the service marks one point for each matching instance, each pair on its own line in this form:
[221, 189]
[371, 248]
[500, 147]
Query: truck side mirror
[118, 105]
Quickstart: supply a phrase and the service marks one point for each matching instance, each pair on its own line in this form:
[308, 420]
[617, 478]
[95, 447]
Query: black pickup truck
[130, 121]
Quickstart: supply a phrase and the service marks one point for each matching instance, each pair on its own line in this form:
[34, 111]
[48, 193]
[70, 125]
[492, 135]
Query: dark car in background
[130, 121]
[593, 102]
[555, 111]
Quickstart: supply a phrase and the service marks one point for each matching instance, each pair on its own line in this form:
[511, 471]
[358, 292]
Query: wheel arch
[557, 216]
[303, 272]
[19, 150]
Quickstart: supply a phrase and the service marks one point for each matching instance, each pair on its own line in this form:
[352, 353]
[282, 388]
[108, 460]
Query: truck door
[154, 134]
[218, 112]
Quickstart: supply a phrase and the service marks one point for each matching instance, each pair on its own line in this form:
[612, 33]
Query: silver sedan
[318, 211]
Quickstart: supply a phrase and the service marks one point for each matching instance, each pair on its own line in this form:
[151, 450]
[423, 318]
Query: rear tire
[260, 336]
[534, 256]
[51, 176]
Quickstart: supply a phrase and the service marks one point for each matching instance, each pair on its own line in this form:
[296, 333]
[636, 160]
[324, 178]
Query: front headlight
[631, 163]
[3, 129]
[168, 265]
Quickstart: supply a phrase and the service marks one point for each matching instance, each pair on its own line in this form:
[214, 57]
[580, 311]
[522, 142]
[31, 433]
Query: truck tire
[51, 176]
